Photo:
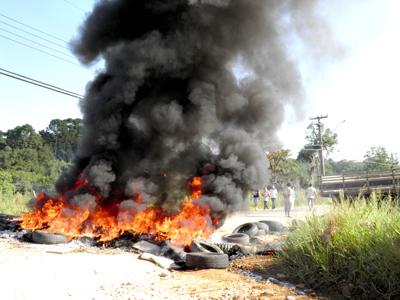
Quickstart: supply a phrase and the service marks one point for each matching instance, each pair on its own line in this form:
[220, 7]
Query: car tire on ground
[204, 246]
[44, 237]
[262, 226]
[207, 260]
[250, 229]
[237, 238]
[261, 232]
[274, 226]
[229, 248]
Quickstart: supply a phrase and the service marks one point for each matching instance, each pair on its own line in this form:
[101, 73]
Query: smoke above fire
[169, 105]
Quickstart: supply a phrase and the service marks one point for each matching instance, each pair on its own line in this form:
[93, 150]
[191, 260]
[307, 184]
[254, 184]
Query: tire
[262, 226]
[237, 238]
[207, 260]
[44, 237]
[250, 229]
[261, 232]
[229, 248]
[274, 226]
[204, 246]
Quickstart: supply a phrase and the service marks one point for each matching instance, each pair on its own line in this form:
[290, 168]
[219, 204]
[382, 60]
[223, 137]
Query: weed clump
[355, 249]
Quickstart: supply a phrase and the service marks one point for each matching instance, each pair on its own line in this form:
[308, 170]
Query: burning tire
[250, 229]
[204, 246]
[207, 260]
[273, 226]
[237, 238]
[43, 237]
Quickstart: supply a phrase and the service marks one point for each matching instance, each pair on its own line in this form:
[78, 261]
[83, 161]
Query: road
[70, 271]
[277, 214]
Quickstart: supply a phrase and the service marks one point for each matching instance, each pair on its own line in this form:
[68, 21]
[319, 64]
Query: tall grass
[14, 204]
[356, 247]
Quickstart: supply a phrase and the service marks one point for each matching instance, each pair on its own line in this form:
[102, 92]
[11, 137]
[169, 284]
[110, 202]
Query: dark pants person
[273, 201]
[266, 204]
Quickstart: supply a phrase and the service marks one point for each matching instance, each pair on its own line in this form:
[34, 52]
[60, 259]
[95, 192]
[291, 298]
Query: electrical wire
[74, 5]
[33, 28]
[36, 43]
[39, 83]
[35, 35]
[40, 50]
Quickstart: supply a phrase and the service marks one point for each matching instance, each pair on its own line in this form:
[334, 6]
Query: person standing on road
[311, 194]
[289, 197]
[266, 197]
[256, 196]
[274, 195]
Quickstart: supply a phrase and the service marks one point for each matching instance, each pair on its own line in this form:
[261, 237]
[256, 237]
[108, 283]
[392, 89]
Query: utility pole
[320, 153]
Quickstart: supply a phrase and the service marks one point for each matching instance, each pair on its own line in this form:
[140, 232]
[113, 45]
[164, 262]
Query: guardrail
[361, 184]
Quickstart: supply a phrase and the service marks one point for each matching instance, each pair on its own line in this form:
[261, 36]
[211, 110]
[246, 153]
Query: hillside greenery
[31, 162]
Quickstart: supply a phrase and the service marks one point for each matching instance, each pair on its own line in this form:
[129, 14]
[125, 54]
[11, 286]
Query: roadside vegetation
[354, 250]
[31, 162]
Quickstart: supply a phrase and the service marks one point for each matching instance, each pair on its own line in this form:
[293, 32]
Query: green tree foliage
[2, 140]
[27, 159]
[6, 183]
[343, 167]
[284, 169]
[378, 159]
[62, 136]
[329, 138]
[26, 151]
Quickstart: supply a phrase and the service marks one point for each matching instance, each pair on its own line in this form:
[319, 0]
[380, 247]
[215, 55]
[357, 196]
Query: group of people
[267, 194]
[289, 195]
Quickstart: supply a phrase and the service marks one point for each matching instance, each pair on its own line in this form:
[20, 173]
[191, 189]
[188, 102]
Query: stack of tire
[206, 255]
[244, 233]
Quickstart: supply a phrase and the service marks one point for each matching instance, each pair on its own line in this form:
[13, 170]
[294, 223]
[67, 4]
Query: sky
[358, 92]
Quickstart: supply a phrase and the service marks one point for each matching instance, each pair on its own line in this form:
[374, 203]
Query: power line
[39, 83]
[74, 5]
[35, 35]
[33, 28]
[40, 50]
[36, 43]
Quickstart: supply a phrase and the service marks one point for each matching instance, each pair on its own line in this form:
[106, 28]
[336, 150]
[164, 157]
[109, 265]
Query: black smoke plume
[169, 106]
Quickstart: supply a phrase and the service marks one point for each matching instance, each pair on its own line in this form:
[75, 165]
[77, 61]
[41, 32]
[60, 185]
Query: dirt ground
[75, 271]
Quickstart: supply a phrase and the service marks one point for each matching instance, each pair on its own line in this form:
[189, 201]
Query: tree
[28, 159]
[6, 183]
[344, 167]
[3, 142]
[378, 159]
[283, 168]
[63, 136]
[329, 138]
[23, 137]
[277, 161]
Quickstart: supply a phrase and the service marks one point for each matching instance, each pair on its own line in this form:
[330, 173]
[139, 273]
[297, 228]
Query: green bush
[14, 204]
[6, 183]
[354, 248]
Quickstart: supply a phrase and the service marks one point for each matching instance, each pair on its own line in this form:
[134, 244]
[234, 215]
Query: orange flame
[106, 222]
